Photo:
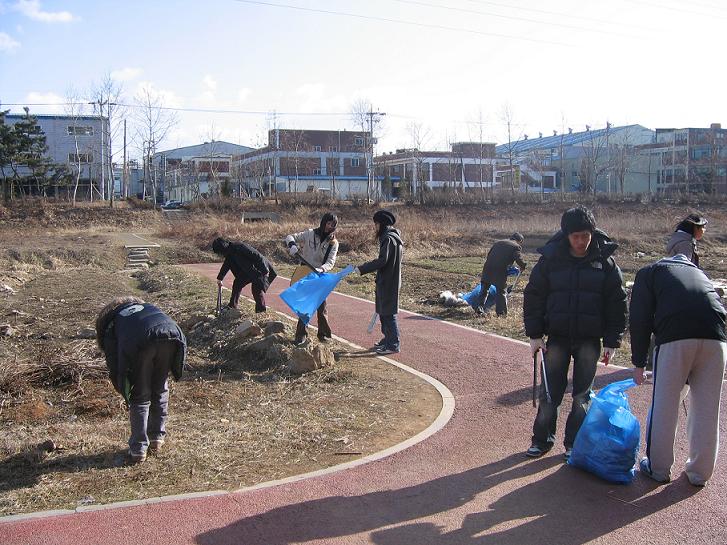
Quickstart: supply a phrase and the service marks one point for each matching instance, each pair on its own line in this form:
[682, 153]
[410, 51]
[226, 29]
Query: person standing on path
[142, 345]
[575, 296]
[388, 280]
[685, 237]
[676, 301]
[502, 254]
[319, 248]
[248, 266]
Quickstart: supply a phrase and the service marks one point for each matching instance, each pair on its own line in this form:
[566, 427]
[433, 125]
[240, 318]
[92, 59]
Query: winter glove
[608, 353]
[293, 249]
[319, 270]
[537, 344]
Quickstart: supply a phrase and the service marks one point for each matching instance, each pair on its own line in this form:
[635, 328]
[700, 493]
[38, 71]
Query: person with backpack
[317, 248]
[248, 267]
[502, 254]
[388, 280]
[142, 346]
[575, 297]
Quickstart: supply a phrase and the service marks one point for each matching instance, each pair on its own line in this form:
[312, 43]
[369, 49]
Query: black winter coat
[132, 329]
[502, 254]
[247, 264]
[576, 298]
[675, 300]
[388, 271]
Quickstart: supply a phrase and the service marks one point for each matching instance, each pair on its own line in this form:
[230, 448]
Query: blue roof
[551, 142]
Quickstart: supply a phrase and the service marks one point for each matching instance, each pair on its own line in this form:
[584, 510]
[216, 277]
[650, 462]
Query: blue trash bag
[306, 295]
[512, 270]
[473, 296]
[608, 442]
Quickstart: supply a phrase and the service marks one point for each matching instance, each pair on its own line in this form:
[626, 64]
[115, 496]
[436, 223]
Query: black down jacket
[576, 298]
[247, 264]
[388, 271]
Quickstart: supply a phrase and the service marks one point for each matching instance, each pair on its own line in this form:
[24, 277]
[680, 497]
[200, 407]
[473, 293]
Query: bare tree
[106, 97]
[154, 124]
[594, 164]
[477, 128]
[75, 109]
[419, 135]
[513, 137]
[364, 116]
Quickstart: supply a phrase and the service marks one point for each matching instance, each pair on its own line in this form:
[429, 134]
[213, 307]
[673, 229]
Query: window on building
[74, 130]
[332, 148]
[80, 158]
[317, 148]
[359, 141]
[316, 172]
[355, 162]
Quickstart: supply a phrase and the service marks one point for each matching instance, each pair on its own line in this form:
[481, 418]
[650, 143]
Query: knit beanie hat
[384, 217]
[577, 219]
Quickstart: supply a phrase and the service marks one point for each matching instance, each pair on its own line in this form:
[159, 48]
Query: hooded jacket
[502, 254]
[133, 328]
[248, 265]
[675, 300]
[683, 243]
[388, 271]
[316, 249]
[576, 298]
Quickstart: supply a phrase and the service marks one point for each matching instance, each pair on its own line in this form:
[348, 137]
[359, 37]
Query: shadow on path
[566, 507]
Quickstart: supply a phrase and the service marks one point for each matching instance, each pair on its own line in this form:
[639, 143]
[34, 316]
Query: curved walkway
[467, 484]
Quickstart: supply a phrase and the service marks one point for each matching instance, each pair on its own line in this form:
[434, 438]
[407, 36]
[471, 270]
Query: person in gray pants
[675, 300]
[142, 345]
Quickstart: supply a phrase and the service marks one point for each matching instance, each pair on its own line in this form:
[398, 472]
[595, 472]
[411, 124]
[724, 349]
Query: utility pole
[371, 172]
[124, 172]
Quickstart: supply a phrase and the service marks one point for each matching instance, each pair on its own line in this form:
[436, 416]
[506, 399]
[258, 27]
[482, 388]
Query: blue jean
[585, 354]
[149, 398]
[390, 329]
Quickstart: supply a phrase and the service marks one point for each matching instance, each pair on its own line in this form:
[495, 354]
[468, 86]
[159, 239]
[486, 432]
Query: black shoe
[300, 343]
[384, 351]
[535, 451]
[380, 344]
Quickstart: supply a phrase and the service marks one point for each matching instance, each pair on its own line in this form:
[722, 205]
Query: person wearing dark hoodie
[248, 267]
[142, 345]
[575, 297]
[317, 248]
[502, 254]
[685, 237]
[388, 279]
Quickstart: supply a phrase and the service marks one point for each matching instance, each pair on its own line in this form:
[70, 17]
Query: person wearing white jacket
[317, 248]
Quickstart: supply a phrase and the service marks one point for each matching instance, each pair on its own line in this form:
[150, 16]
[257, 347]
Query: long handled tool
[219, 300]
[372, 323]
[514, 284]
[545, 380]
[535, 379]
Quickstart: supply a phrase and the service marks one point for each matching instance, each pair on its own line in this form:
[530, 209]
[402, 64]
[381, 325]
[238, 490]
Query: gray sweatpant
[702, 363]
[150, 394]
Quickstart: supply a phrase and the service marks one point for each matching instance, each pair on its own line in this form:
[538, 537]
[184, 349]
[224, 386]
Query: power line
[404, 22]
[515, 18]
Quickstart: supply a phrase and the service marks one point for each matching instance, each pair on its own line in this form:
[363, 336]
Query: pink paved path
[467, 484]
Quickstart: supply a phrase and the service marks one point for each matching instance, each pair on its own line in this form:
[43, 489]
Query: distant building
[191, 172]
[75, 141]
[689, 160]
[468, 166]
[306, 160]
[592, 160]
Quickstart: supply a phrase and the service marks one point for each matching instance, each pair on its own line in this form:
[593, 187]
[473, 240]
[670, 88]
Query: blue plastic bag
[473, 296]
[608, 442]
[306, 295]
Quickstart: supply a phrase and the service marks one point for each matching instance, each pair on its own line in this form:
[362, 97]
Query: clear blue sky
[441, 64]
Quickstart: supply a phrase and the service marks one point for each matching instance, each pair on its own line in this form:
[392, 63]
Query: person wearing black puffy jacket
[142, 346]
[575, 297]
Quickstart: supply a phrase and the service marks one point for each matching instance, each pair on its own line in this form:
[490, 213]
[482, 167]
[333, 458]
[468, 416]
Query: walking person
[674, 300]
[501, 256]
[248, 267]
[685, 237]
[142, 345]
[318, 248]
[388, 280]
[575, 297]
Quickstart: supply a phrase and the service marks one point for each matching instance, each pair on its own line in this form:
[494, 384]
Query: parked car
[172, 205]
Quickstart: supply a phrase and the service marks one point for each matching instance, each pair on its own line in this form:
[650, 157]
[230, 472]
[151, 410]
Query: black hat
[696, 219]
[219, 245]
[517, 237]
[577, 219]
[384, 217]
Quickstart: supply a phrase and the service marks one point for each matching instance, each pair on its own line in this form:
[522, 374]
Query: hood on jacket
[676, 238]
[389, 231]
[601, 246]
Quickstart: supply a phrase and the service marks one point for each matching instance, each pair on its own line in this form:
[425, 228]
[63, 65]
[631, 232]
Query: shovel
[372, 323]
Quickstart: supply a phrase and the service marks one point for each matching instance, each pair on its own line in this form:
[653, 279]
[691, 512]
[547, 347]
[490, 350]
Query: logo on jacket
[133, 309]
[596, 265]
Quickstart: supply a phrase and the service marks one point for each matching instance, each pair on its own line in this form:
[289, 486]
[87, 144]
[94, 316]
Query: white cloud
[35, 97]
[32, 10]
[243, 94]
[7, 43]
[126, 74]
[209, 82]
[168, 99]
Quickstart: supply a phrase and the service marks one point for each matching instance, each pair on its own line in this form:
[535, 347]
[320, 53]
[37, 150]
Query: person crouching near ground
[142, 345]
[675, 300]
[502, 254]
[388, 280]
[318, 249]
[248, 267]
[574, 296]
